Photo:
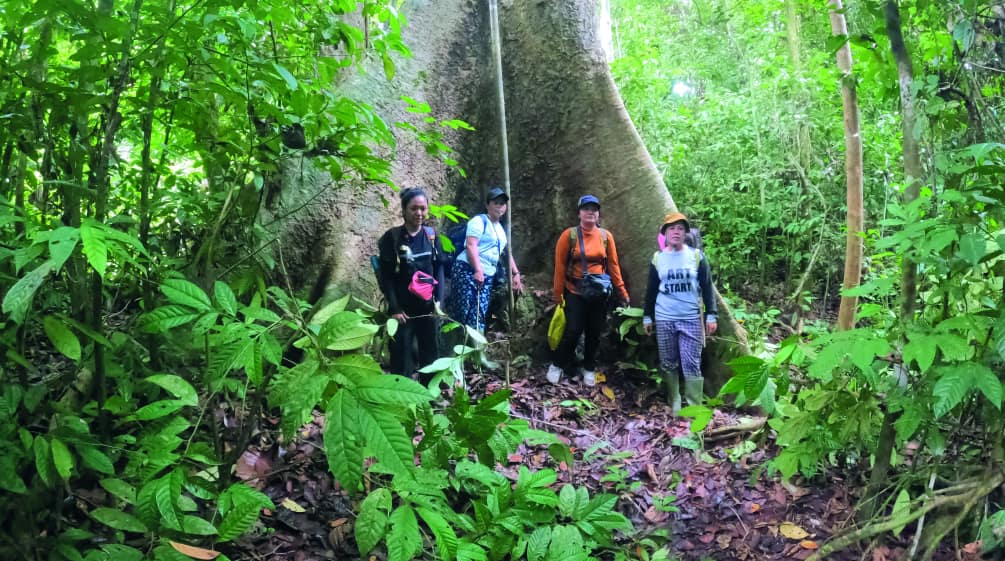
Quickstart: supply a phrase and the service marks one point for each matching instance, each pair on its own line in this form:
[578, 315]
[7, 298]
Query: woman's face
[416, 211]
[589, 215]
[496, 208]
[675, 234]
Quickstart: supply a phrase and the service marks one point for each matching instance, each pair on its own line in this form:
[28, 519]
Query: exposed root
[725, 433]
[963, 498]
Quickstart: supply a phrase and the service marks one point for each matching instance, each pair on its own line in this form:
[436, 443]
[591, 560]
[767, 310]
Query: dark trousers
[580, 317]
[420, 332]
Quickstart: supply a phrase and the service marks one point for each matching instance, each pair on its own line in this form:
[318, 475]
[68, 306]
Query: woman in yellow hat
[679, 281]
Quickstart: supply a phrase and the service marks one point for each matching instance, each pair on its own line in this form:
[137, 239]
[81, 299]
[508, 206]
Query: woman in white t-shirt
[679, 281]
[474, 270]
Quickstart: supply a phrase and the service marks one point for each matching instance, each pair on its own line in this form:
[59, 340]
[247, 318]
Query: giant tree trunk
[569, 134]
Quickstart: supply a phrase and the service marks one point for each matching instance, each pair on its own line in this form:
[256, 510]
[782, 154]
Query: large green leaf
[443, 532]
[385, 436]
[389, 389]
[404, 540]
[953, 384]
[225, 297]
[566, 545]
[43, 462]
[972, 248]
[356, 368]
[9, 479]
[297, 391]
[538, 542]
[18, 299]
[94, 458]
[184, 293]
[344, 440]
[167, 317]
[62, 459]
[62, 337]
[159, 409]
[118, 520]
[371, 523]
[176, 386]
[62, 242]
[95, 246]
[989, 384]
[346, 331]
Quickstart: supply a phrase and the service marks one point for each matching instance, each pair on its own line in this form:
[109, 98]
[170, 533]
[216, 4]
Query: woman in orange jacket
[587, 275]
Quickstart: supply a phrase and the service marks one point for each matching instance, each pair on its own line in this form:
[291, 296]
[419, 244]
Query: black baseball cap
[495, 193]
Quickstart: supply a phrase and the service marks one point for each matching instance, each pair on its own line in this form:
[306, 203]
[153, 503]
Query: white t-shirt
[491, 242]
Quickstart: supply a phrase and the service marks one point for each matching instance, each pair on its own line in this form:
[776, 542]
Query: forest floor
[710, 495]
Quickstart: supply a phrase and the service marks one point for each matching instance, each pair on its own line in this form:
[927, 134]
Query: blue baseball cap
[496, 193]
[588, 200]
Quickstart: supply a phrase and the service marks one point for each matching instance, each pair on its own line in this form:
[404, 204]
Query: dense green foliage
[742, 112]
[142, 342]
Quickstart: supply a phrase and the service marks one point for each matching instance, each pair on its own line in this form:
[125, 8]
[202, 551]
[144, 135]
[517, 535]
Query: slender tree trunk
[912, 155]
[853, 172]
[912, 173]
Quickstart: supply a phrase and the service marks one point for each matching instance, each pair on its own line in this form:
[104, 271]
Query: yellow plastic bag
[557, 326]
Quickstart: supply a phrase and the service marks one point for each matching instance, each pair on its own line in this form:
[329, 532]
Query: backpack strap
[582, 249]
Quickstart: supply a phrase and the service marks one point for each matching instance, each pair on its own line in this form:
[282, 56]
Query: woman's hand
[518, 283]
[711, 326]
[479, 276]
[402, 317]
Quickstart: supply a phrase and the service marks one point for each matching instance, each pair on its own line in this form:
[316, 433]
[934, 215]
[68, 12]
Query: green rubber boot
[694, 390]
[671, 383]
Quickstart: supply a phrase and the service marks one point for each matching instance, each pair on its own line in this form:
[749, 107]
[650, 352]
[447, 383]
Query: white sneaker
[589, 377]
[554, 374]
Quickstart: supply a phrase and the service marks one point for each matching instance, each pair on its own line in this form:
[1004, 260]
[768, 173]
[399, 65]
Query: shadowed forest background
[192, 336]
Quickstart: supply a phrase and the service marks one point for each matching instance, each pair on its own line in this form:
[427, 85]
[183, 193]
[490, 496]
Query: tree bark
[568, 135]
[853, 172]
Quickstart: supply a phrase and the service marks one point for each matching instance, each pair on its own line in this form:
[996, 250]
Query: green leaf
[95, 246]
[346, 331]
[701, 415]
[185, 293]
[446, 538]
[225, 297]
[120, 489]
[9, 479]
[568, 500]
[389, 389]
[159, 409]
[296, 392]
[404, 540]
[18, 299]
[118, 520]
[329, 310]
[537, 543]
[62, 242]
[386, 437]
[566, 545]
[167, 317]
[356, 368]
[921, 349]
[467, 551]
[62, 337]
[342, 440]
[371, 524]
[176, 386]
[95, 459]
[901, 509]
[988, 383]
[198, 526]
[238, 520]
[165, 497]
[953, 384]
[43, 462]
[972, 248]
[291, 81]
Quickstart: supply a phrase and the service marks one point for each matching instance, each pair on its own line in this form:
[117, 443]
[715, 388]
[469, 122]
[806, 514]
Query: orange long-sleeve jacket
[569, 267]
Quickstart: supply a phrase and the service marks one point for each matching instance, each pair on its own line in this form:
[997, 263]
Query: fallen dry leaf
[973, 547]
[601, 377]
[515, 458]
[337, 522]
[791, 531]
[656, 516]
[751, 508]
[290, 504]
[809, 544]
[194, 552]
[607, 392]
[724, 540]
